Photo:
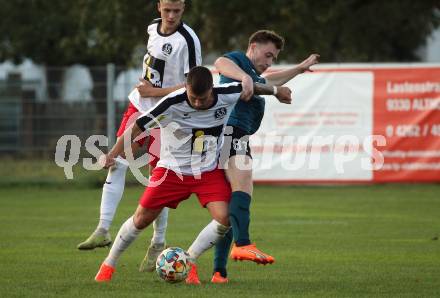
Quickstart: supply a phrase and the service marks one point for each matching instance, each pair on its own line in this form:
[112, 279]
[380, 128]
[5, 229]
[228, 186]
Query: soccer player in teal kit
[263, 48]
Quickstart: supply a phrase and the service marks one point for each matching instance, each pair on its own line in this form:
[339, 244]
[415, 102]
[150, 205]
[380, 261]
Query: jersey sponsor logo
[155, 70]
[199, 141]
[220, 113]
[186, 116]
[205, 140]
[167, 49]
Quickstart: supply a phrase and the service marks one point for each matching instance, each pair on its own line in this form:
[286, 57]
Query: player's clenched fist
[248, 88]
[145, 88]
[284, 95]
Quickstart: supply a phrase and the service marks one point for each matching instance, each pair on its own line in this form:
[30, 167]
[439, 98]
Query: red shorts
[210, 187]
[130, 116]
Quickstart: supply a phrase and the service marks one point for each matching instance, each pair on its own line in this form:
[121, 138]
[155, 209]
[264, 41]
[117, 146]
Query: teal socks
[221, 253]
[239, 216]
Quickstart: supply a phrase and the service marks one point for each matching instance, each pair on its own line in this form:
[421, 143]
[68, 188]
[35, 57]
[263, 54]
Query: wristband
[275, 90]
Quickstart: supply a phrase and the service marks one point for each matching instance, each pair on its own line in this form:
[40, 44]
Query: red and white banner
[353, 123]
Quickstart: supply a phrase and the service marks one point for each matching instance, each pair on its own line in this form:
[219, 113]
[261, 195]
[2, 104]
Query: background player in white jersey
[196, 116]
[173, 49]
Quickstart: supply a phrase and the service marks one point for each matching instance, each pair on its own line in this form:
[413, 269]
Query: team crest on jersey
[167, 49]
[220, 113]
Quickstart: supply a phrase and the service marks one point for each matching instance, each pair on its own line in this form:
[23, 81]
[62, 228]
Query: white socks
[207, 238]
[160, 227]
[112, 193]
[126, 235]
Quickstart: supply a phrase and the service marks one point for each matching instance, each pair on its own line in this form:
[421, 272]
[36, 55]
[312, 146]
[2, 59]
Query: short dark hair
[199, 79]
[265, 36]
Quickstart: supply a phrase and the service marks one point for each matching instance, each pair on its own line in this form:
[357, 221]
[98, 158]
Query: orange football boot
[193, 276]
[105, 273]
[250, 253]
[217, 278]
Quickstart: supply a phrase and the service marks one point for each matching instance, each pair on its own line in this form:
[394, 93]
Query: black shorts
[235, 142]
[240, 143]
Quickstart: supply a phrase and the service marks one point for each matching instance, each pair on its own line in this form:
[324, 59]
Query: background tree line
[95, 32]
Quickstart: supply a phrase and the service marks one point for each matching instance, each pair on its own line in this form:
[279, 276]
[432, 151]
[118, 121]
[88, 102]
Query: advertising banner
[353, 123]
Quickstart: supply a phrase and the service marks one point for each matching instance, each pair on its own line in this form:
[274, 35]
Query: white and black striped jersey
[191, 139]
[169, 58]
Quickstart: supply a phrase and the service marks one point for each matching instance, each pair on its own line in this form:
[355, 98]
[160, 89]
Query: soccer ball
[172, 264]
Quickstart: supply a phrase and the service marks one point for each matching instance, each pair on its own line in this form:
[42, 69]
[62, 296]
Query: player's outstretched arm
[281, 77]
[146, 89]
[231, 70]
[108, 160]
[283, 94]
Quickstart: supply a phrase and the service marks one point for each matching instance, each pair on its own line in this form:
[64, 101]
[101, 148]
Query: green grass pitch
[356, 241]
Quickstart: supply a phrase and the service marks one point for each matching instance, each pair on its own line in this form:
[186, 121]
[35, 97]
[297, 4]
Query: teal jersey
[246, 115]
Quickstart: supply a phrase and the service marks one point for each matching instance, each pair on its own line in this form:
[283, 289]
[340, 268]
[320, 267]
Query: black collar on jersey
[159, 23]
[160, 108]
[214, 94]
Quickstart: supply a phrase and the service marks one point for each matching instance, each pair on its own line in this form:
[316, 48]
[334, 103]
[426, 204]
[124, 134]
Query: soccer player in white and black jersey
[172, 50]
[196, 117]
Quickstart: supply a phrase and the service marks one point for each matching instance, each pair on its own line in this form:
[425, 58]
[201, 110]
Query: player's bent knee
[240, 180]
[244, 185]
[219, 212]
[143, 217]
[222, 219]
